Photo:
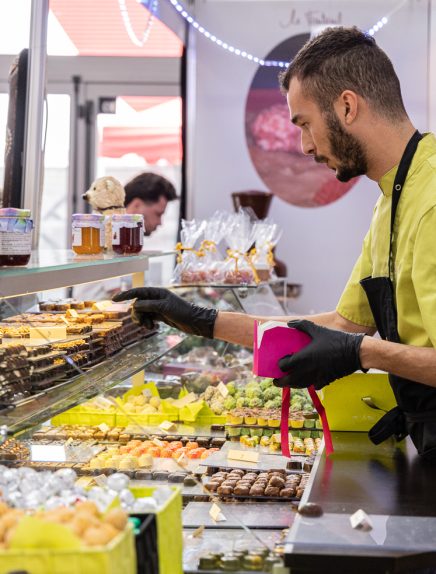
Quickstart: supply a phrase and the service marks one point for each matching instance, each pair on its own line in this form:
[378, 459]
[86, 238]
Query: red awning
[97, 28]
[152, 144]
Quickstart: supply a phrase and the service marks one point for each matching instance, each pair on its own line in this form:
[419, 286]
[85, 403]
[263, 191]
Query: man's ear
[346, 107]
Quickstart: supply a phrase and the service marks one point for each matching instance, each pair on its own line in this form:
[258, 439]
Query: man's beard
[346, 148]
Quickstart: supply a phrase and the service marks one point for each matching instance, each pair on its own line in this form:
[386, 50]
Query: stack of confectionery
[15, 370]
[253, 484]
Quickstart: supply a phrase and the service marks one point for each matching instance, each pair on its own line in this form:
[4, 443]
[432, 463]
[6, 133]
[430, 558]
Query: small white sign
[167, 426]
[360, 520]
[243, 455]
[216, 514]
[223, 390]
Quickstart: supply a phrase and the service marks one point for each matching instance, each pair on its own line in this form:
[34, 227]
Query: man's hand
[155, 304]
[329, 356]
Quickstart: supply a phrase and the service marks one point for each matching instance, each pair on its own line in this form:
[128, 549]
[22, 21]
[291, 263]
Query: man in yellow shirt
[344, 95]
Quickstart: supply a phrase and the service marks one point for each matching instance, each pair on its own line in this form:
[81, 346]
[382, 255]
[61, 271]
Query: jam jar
[16, 228]
[88, 233]
[127, 233]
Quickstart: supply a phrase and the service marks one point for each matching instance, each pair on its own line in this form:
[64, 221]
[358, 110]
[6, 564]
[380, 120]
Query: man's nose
[307, 145]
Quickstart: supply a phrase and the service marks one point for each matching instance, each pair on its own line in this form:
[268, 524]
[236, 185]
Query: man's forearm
[238, 328]
[413, 363]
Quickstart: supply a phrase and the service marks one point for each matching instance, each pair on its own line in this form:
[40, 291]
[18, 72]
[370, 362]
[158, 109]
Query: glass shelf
[100, 378]
[53, 269]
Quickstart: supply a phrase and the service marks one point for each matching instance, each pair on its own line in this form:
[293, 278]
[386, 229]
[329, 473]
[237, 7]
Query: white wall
[320, 244]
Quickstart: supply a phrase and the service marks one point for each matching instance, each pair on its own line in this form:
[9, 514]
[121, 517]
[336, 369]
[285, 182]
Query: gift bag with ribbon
[211, 262]
[267, 235]
[187, 254]
[238, 268]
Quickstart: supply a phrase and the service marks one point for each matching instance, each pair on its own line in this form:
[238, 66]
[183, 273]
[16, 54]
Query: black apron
[416, 410]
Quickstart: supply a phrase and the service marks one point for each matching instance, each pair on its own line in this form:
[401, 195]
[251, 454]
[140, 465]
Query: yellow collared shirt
[414, 252]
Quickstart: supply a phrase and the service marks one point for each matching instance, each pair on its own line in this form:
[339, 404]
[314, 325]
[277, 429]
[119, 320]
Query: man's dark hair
[149, 187]
[341, 59]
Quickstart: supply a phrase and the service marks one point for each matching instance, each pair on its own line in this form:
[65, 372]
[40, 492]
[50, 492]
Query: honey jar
[88, 233]
[15, 236]
[127, 233]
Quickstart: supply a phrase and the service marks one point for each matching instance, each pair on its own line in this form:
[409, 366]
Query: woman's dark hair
[149, 187]
[341, 59]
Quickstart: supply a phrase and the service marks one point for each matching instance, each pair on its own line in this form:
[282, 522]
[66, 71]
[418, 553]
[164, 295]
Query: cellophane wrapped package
[188, 252]
[237, 268]
[267, 234]
[212, 260]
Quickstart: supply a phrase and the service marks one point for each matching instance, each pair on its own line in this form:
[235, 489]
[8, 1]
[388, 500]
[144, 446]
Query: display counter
[389, 482]
[393, 485]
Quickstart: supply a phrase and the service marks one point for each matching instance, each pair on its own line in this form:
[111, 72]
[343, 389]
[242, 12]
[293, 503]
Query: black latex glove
[329, 356]
[155, 304]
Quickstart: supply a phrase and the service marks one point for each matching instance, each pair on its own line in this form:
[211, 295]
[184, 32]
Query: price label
[243, 455]
[103, 403]
[186, 400]
[102, 305]
[100, 480]
[223, 390]
[167, 426]
[216, 514]
[72, 314]
[104, 427]
[182, 460]
[48, 333]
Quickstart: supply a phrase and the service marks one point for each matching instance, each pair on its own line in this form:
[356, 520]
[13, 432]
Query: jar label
[77, 236]
[116, 235]
[77, 232]
[12, 243]
[118, 225]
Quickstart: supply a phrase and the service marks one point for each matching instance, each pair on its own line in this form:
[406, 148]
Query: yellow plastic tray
[122, 420]
[343, 401]
[77, 416]
[117, 557]
[169, 531]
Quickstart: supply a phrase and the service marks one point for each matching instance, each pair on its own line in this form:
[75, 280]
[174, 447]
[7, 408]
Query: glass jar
[16, 228]
[88, 233]
[127, 233]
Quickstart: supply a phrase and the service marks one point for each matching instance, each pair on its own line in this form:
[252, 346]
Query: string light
[246, 55]
[128, 25]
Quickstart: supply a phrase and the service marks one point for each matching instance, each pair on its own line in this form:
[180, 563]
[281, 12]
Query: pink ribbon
[284, 421]
[325, 423]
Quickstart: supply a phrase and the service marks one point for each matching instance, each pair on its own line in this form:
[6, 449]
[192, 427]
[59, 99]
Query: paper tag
[216, 514]
[102, 305]
[104, 404]
[158, 443]
[360, 520]
[186, 400]
[104, 427]
[182, 460]
[244, 455]
[167, 426]
[85, 481]
[198, 532]
[100, 480]
[223, 390]
[50, 333]
[72, 313]
[69, 441]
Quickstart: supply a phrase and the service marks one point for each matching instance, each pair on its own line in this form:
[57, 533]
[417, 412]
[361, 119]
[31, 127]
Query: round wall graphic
[274, 142]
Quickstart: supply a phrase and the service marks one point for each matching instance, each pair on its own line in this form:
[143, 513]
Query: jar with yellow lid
[88, 233]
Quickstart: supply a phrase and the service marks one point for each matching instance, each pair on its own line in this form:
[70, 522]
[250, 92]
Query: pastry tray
[256, 515]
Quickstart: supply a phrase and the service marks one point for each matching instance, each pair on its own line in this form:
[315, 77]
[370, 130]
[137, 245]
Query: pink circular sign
[274, 143]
